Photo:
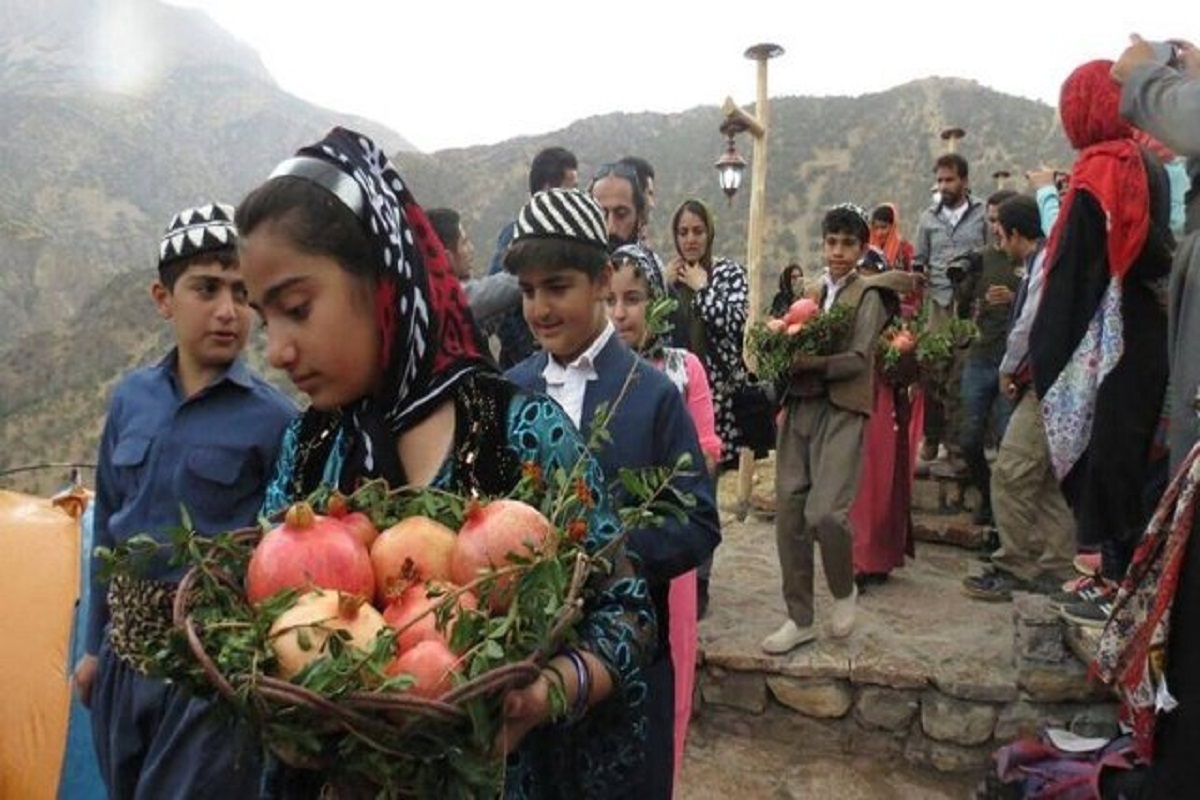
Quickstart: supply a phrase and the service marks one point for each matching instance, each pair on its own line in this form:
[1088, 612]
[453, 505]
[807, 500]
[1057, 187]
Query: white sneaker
[841, 621]
[788, 637]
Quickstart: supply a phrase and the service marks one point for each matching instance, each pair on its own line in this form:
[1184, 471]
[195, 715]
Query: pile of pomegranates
[416, 578]
[796, 317]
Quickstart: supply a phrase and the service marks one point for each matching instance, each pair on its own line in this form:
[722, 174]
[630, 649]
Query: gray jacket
[1166, 104]
[938, 244]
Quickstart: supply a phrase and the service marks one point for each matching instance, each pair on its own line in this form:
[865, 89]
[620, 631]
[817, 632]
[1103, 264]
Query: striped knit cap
[195, 231]
[562, 214]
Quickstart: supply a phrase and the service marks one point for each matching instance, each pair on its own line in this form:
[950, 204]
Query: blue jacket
[649, 427]
[211, 453]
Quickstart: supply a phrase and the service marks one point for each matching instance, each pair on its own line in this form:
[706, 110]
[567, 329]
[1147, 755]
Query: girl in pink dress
[636, 283]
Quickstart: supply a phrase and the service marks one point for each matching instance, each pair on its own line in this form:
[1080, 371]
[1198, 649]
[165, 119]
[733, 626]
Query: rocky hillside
[93, 170]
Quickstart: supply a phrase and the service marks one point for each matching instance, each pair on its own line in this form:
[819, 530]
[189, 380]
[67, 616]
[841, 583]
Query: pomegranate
[430, 664]
[309, 551]
[801, 311]
[299, 635]
[414, 614]
[490, 535]
[902, 342]
[362, 527]
[413, 551]
[358, 522]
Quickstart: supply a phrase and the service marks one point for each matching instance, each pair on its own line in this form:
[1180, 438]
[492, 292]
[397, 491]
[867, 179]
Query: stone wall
[949, 717]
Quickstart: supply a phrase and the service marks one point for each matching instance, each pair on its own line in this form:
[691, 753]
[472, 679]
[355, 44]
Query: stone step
[929, 675]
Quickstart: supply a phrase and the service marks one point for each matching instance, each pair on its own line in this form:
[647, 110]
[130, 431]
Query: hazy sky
[449, 74]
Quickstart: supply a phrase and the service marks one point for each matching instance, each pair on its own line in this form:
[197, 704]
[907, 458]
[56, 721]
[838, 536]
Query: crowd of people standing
[1080, 376]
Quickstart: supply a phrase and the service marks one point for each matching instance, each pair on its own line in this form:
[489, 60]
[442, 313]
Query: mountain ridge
[101, 172]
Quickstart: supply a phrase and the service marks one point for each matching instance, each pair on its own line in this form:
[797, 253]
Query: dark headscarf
[1110, 166]
[656, 285]
[428, 336]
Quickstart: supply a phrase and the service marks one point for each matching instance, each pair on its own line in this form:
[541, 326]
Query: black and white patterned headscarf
[428, 337]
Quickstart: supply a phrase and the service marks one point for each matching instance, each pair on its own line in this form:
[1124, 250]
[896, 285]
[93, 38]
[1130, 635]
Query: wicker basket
[381, 719]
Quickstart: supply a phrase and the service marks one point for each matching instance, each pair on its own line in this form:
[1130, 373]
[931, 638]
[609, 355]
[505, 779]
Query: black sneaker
[993, 586]
[1087, 590]
[1089, 613]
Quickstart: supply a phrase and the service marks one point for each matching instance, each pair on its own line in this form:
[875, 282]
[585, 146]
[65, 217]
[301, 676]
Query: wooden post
[756, 232]
[951, 136]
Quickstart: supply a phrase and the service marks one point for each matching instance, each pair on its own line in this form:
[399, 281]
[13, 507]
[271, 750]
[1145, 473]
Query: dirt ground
[723, 763]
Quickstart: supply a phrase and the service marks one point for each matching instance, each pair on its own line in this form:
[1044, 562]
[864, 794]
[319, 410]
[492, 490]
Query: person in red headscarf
[881, 514]
[1098, 347]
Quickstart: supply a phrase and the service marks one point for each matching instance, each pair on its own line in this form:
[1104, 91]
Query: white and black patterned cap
[562, 214]
[195, 231]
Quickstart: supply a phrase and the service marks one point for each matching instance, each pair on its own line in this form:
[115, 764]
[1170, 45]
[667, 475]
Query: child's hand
[85, 677]
[524, 710]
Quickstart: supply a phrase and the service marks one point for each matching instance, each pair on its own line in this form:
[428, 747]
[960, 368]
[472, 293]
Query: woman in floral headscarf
[710, 321]
[366, 317]
[1098, 347]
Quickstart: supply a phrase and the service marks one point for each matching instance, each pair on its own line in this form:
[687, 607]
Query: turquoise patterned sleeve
[618, 625]
[279, 490]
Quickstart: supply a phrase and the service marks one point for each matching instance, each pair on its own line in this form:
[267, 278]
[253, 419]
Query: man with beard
[954, 225]
[618, 190]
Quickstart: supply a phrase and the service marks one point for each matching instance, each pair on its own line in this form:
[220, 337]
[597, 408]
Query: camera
[964, 264]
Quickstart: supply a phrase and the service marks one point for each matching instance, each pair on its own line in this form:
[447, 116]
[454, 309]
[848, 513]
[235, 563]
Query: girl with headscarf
[365, 315]
[897, 251]
[1098, 344]
[637, 284]
[710, 321]
[791, 289]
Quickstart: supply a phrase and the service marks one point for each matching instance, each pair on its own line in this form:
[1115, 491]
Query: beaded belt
[140, 619]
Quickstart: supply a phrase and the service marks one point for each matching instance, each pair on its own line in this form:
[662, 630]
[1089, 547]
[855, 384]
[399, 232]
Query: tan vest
[854, 394]
[857, 394]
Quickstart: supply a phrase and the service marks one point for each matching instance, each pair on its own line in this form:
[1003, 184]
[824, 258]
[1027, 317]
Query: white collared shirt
[567, 385]
[832, 287]
[952, 216]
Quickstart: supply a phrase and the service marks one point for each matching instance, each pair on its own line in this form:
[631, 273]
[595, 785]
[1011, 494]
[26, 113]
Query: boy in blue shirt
[199, 430]
[560, 257]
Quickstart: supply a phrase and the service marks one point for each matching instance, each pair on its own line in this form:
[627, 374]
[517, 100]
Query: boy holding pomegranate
[198, 430]
[825, 404]
[365, 315]
[560, 257]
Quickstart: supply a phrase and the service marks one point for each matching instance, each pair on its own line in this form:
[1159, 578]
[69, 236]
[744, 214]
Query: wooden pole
[755, 234]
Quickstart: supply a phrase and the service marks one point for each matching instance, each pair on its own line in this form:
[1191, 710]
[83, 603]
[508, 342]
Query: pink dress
[881, 515]
[687, 373]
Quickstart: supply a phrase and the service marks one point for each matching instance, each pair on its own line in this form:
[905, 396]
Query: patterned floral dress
[500, 428]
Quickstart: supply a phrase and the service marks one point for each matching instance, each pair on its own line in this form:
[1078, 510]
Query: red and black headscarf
[1110, 166]
[428, 336]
